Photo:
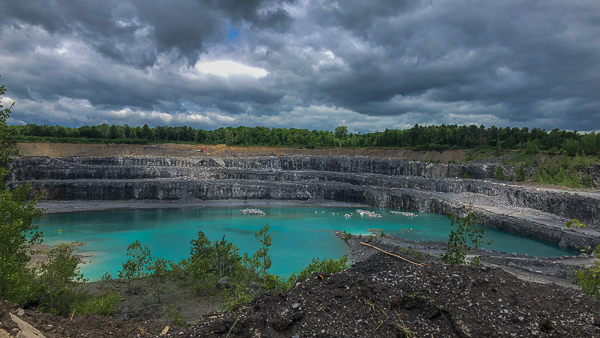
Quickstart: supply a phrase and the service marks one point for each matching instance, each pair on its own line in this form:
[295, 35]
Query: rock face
[387, 183]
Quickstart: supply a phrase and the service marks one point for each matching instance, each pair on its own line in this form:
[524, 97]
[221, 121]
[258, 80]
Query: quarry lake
[301, 233]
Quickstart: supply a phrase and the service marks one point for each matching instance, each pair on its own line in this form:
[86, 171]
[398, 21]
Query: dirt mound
[77, 326]
[221, 150]
[385, 297]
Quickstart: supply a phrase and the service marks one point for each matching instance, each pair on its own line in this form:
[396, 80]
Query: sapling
[137, 264]
[587, 278]
[464, 230]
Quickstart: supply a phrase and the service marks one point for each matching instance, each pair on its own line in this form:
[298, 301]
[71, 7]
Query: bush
[102, 305]
[317, 265]
[521, 173]
[587, 181]
[587, 278]
[499, 175]
[59, 280]
[464, 230]
[138, 263]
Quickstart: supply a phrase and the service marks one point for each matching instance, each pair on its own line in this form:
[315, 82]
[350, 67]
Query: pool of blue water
[302, 233]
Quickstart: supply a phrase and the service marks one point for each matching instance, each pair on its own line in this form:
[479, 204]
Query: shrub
[587, 278]
[102, 305]
[587, 181]
[521, 173]
[499, 175]
[464, 230]
[138, 263]
[59, 280]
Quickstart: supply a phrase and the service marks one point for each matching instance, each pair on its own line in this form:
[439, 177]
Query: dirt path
[193, 151]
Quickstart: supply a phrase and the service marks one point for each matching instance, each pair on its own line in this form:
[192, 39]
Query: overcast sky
[312, 64]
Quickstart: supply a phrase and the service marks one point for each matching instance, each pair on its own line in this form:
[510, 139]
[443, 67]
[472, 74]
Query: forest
[419, 137]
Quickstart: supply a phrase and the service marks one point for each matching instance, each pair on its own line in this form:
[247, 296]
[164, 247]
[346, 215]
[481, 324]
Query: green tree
[17, 231]
[226, 259]
[465, 236]
[587, 181]
[588, 278]
[158, 276]
[340, 133]
[138, 263]
[59, 279]
[499, 175]
[521, 173]
[261, 256]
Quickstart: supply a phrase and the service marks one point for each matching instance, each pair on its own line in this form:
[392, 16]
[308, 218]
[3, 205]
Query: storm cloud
[370, 65]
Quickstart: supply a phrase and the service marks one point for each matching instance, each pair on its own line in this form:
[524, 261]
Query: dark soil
[386, 297]
[77, 326]
[141, 303]
[380, 296]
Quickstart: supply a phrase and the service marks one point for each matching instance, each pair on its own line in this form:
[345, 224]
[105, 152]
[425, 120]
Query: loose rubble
[368, 213]
[253, 212]
[404, 213]
[387, 297]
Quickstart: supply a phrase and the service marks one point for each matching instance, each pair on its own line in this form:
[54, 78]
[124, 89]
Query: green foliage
[438, 138]
[465, 232]
[209, 262]
[261, 257]
[469, 157]
[532, 147]
[561, 177]
[347, 235]
[138, 263]
[159, 270]
[59, 279]
[521, 174]
[176, 317]
[574, 179]
[102, 305]
[587, 181]
[465, 175]
[566, 162]
[512, 178]
[581, 161]
[17, 231]
[571, 147]
[587, 278]
[237, 295]
[371, 238]
[499, 174]
[317, 265]
[538, 175]
[226, 258]
[340, 133]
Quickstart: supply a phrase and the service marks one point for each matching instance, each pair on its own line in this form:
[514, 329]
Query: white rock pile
[407, 214]
[368, 213]
[253, 212]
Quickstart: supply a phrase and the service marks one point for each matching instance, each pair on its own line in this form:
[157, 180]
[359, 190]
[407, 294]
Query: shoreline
[60, 207]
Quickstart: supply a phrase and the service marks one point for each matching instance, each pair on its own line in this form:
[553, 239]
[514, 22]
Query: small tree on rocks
[465, 232]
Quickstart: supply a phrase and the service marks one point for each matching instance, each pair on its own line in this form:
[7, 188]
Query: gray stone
[224, 283]
[254, 288]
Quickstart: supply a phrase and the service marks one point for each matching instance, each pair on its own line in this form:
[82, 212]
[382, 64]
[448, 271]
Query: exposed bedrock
[358, 171]
[418, 186]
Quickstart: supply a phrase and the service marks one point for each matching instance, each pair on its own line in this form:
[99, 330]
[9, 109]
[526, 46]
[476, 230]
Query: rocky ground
[383, 296]
[379, 296]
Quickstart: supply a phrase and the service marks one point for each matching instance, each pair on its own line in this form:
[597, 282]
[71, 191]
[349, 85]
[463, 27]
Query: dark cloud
[529, 63]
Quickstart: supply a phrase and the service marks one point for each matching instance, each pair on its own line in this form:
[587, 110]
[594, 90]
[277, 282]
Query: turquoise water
[301, 233]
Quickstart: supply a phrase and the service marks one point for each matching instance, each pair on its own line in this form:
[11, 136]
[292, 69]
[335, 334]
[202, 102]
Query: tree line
[419, 137]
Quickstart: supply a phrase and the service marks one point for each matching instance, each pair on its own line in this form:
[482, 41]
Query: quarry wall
[389, 183]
